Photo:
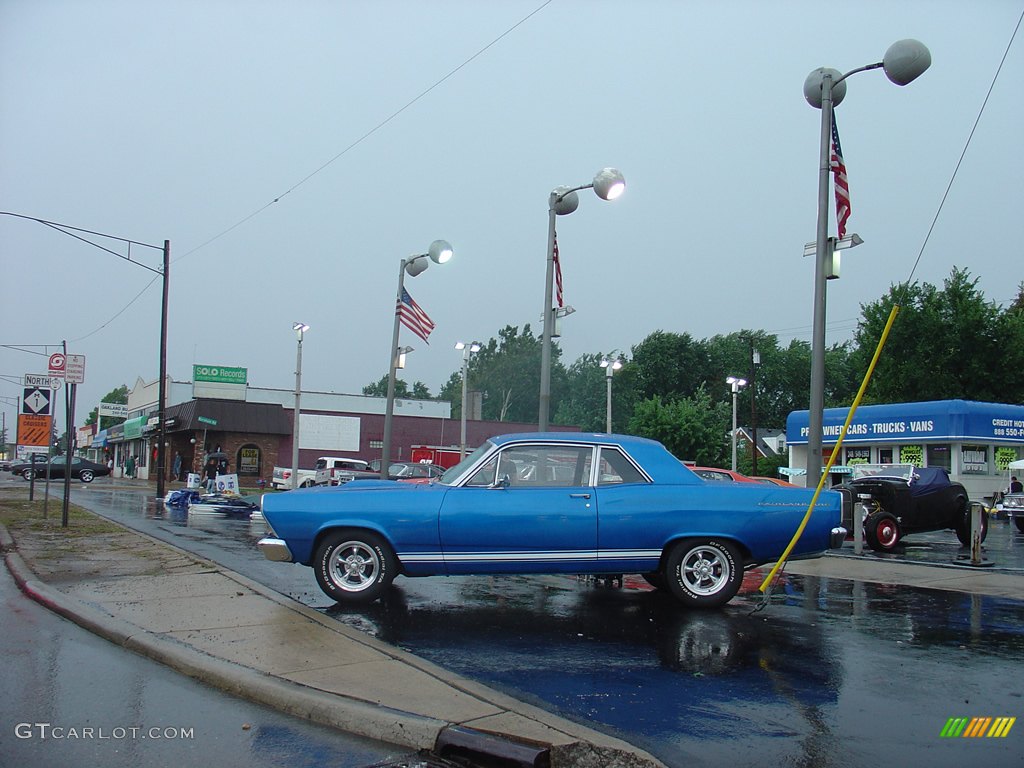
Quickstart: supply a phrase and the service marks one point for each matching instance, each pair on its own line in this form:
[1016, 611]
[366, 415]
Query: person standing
[177, 465]
[129, 466]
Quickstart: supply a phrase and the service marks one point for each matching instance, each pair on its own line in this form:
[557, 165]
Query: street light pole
[300, 329]
[440, 252]
[735, 383]
[610, 366]
[824, 88]
[608, 184]
[80, 234]
[467, 351]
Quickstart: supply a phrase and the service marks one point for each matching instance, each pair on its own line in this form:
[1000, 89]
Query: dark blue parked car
[549, 503]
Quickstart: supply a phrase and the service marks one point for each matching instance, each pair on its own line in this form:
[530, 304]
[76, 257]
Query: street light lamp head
[300, 327]
[906, 60]
[565, 201]
[609, 183]
[473, 346]
[440, 251]
[736, 382]
[812, 87]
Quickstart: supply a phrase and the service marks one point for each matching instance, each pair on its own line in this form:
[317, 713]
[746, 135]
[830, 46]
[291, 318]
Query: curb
[381, 723]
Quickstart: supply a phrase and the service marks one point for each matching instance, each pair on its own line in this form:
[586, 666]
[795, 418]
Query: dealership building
[975, 442]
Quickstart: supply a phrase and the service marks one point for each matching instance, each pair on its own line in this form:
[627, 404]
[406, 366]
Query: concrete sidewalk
[223, 629]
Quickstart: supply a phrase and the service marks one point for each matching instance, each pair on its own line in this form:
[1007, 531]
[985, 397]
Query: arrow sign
[36, 402]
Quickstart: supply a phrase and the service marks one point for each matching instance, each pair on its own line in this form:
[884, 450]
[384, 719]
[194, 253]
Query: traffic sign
[205, 420]
[36, 402]
[43, 381]
[75, 369]
[57, 364]
[34, 430]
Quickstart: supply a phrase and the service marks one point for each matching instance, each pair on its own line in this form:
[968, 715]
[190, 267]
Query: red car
[717, 475]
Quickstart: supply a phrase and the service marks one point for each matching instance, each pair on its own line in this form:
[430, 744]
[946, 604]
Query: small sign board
[227, 483]
[116, 410]
[35, 430]
[74, 370]
[36, 402]
[57, 364]
[42, 381]
[207, 420]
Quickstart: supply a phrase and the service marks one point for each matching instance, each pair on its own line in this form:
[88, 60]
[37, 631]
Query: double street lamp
[467, 351]
[824, 89]
[610, 367]
[735, 383]
[440, 251]
[608, 184]
[300, 329]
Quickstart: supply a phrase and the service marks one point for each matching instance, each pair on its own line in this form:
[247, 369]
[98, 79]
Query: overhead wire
[329, 162]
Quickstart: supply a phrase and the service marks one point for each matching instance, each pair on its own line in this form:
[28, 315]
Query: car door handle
[579, 495]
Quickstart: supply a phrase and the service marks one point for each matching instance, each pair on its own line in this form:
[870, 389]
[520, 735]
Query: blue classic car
[549, 503]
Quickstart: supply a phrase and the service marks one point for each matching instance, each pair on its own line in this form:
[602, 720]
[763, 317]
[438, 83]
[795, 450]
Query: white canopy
[1019, 464]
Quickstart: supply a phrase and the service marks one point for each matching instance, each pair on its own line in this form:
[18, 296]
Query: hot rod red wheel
[882, 531]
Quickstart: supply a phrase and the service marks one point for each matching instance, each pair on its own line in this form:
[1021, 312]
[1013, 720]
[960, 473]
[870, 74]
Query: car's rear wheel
[354, 566]
[963, 529]
[86, 475]
[703, 573]
[882, 531]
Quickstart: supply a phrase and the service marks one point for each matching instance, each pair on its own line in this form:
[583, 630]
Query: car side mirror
[502, 482]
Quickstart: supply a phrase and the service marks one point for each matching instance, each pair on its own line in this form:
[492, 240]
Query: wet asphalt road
[831, 673]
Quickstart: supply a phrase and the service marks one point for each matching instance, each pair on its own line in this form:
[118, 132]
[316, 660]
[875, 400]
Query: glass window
[940, 456]
[885, 455]
[536, 466]
[974, 459]
[613, 468]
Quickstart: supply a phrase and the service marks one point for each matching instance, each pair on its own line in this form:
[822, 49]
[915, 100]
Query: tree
[691, 428]
[119, 396]
[944, 344]
[585, 403]
[507, 371]
[379, 388]
[670, 365]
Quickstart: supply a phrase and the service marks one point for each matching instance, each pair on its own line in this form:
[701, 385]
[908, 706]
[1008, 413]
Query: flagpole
[389, 408]
[440, 252]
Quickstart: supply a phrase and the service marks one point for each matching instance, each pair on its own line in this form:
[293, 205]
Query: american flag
[413, 317]
[558, 272]
[840, 182]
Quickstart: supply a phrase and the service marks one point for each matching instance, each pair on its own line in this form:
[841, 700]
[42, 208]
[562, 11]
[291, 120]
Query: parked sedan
[549, 503]
[412, 472]
[83, 469]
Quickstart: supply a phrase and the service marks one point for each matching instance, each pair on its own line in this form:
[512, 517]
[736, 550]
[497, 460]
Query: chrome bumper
[275, 549]
[835, 539]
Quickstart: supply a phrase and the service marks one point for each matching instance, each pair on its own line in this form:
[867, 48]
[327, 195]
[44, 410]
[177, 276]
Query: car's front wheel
[86, 475]
[882, 531]
[28, 474]
[354, 566]
[704, 573]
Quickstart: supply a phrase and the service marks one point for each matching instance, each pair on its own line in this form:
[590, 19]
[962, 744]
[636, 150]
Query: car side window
[536, 466]
[614, 468]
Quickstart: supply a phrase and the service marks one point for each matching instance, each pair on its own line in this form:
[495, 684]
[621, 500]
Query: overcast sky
[282, 149]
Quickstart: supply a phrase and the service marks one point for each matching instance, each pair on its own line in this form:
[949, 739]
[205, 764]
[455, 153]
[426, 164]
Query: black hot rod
[898, 499]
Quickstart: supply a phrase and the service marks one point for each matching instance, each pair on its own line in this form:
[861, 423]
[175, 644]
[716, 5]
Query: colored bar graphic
[977, 727]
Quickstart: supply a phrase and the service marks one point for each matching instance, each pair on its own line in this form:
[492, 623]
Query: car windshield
[452, 473]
